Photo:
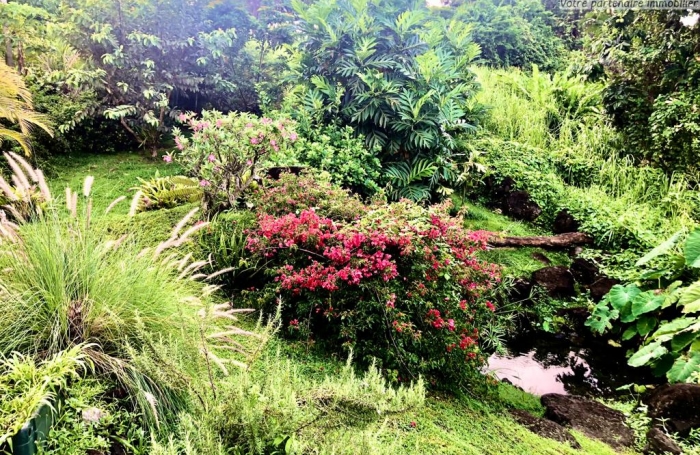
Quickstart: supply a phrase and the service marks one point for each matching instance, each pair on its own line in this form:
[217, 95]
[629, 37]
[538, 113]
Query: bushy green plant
[400, 283]
[650, 61]
[517, 33]
[168, 192]
[86, 422]
[338, 151]
[225, 152]
[662, 320]
[25, 385]
[399, 76]
[274, 407]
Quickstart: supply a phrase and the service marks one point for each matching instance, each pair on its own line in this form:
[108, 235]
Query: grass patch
[450, 425]
[115, 175]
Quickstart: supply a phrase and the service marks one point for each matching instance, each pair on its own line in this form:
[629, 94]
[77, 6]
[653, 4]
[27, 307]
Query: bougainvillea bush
[226, 152]
[400, 282]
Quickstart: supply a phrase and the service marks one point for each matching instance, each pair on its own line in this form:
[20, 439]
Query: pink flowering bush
[401, 283]
[226, 152]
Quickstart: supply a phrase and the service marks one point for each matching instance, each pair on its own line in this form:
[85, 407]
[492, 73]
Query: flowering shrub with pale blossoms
[400, 283]
[225, 152]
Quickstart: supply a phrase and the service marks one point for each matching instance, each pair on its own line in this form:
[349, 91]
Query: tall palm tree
[16, 107]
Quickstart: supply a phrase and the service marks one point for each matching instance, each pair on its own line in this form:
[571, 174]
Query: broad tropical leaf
[647, 353]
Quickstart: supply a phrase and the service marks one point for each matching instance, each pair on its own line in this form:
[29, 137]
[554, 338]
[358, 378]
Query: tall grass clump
[64, 283]
[549, 134]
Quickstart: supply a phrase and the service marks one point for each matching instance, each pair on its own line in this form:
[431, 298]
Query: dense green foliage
[400, 77]
[650, 60]
[321, 139]
[663, 319]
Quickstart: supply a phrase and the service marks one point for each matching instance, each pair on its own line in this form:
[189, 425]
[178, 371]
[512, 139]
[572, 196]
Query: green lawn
[115, 175]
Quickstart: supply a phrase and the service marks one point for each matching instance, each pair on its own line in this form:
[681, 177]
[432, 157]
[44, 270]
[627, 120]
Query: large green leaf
[646, 302]
[647, 354]
[690, 298]
[682, 339]
[646, 324]
[619, 296]
[692, 249]
[630, 333]
[669, 329]
[664, 248]
[684, 367]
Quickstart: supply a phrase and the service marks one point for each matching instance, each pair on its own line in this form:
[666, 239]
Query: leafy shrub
[273, 407]
[26, 385]
[649, 58]
[663, 320]
[400, 283]
[225, 152]
[399, 76]
[338, 151]
[292, 194]
[514, 33]
[168, 192]
[87, 422]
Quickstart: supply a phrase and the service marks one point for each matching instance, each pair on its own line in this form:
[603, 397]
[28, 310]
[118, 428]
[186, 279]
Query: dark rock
[519, 205]
[503, 189]
[557, 280]
[658, 443]
[545, 428]
[601, 286]
[591, 418]
[564, 222]
[678, 405]
[542, 258]
[521, 290]
[584, 271]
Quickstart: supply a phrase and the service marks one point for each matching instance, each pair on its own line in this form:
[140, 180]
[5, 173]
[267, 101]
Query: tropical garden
[348, 227]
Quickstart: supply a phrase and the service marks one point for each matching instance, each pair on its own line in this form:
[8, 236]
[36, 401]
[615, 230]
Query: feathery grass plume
[22, 182]
[74, 204]
[114, 203]
[43, 187]
[135, 204]
[87, 185]
[28, 169]
[7, 190]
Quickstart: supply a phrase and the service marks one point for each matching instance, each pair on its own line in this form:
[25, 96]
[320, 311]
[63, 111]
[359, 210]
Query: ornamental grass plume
[64, 283]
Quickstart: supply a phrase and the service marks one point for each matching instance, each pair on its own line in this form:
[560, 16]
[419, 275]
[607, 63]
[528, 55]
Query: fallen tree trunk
[552, 241]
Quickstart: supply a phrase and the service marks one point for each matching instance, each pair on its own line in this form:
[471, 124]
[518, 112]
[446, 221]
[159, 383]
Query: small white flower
[690, 20]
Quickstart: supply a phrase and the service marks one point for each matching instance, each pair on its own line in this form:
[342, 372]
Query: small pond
[543, 363]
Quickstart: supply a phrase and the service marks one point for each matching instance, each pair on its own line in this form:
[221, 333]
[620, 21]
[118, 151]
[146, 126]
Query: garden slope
[446, 425]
